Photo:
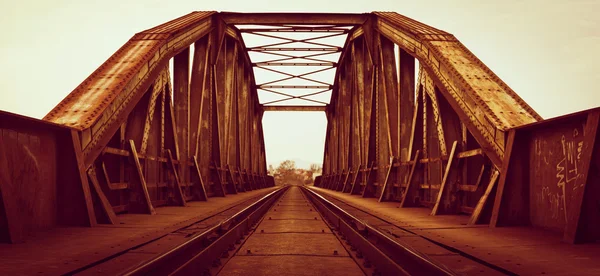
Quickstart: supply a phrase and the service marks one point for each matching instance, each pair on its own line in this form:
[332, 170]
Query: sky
[545, 50]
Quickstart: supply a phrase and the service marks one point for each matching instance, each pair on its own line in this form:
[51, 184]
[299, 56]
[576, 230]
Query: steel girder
[454, 137]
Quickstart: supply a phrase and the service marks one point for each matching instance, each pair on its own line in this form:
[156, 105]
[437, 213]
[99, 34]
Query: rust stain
[86, 104]
[501, 105]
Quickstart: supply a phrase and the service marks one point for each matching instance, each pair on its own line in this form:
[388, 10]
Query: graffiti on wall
[558, 161]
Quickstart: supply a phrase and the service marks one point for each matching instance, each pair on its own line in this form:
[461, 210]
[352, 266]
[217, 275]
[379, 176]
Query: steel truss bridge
[174, 116]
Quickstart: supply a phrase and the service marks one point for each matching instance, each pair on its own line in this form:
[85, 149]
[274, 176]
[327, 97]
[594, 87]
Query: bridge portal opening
[294, 69]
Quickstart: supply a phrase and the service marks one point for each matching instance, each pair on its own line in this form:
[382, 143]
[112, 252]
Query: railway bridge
[155, 164]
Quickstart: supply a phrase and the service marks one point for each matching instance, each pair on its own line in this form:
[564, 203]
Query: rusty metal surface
[291, 265]
[306, 248]
[293, 18]
[504, 108]
[314, 244]
[120, 123]
[179, 24]
[39, 187]
[555, 160]
[551, 177]
[61, 250]
[484, 102]
[123, 71]
[85, 104]
[286, 215]
[415, 28]
[387, 253]
[513, 249]
[195, 253]
[298, 226]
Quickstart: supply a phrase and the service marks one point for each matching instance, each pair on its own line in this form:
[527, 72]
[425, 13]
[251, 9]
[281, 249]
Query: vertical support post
[389, 86]
[181, 97]
[430, 90]
[504, 171]
[199, 86]
[157, 90]
[406, 100]
[89, 205]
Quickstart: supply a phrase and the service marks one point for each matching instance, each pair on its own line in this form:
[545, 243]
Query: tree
[271, 170]
[314, 169]
[287, 170]
[287, 173]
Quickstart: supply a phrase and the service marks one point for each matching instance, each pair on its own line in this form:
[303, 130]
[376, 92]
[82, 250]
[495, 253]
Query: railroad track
[292, 231]
[185, 240]
[385, 254]
[374, 226]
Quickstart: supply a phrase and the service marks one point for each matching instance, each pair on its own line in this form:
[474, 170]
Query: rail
[389, 256]
[200, 251]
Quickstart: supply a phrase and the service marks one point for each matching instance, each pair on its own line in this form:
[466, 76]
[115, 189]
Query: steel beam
[294, 64]
[293, 18]
[181, 97]
[294, 49]
[293, 108]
